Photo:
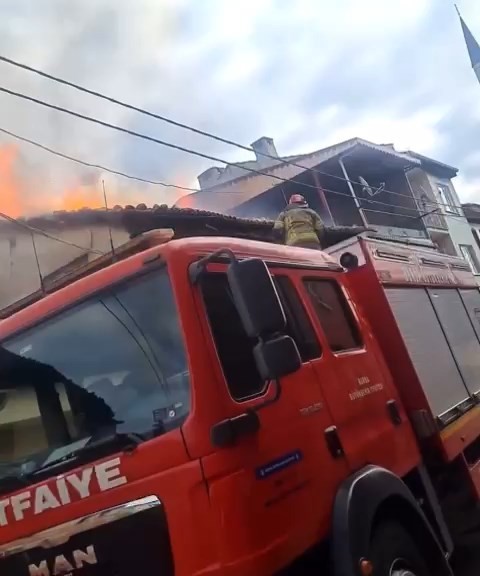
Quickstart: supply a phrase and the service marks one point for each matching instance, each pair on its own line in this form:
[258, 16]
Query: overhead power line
[136, 134]
[184, 149]
[92, 165]
[73, 159]
[180, 124]
[41, 232]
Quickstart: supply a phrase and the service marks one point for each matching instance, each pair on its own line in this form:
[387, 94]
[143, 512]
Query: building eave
[434, 166]
[239, 190]
[313, 159]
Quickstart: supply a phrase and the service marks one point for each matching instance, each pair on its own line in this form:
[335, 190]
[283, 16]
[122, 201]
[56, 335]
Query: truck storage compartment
[428, 348]
[471, 301]
[459, 333]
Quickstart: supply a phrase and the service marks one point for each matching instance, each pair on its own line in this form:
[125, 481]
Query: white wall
[19, 274]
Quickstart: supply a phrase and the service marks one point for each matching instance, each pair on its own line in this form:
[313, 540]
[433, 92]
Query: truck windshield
[113, 364]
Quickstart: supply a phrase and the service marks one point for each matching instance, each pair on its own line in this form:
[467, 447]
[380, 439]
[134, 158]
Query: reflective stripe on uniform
[294, 238]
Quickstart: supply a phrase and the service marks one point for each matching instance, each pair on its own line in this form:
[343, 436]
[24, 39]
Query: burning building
[403, 195]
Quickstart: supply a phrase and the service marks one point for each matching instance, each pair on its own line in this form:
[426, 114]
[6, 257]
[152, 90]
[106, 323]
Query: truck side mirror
[262, 315]
[277, 357]
[256, 298]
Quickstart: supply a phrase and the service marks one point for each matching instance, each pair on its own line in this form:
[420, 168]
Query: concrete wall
[19, 275]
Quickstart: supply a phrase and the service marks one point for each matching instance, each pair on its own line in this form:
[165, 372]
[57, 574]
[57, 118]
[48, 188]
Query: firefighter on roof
[300, 225]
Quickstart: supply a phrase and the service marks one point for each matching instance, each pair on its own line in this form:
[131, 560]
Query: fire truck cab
[219, 406]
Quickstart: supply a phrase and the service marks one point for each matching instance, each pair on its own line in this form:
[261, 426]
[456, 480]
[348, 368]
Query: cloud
[307, 73]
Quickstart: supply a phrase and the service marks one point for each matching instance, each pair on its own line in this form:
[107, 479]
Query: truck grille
[128, 539]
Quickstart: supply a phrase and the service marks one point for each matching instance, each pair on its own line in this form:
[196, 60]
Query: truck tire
[393, 552]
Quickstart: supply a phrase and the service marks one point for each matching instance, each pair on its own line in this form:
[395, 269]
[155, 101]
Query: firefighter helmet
[297, 199]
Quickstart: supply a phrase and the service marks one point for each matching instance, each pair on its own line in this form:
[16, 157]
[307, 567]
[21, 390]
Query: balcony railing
[395, 217]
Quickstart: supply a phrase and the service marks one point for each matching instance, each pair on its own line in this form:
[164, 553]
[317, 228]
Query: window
[469, 255]
[476, 236]
[334, 314]
[299, 326]
[447, 199]
[235, 348]
[113, 363]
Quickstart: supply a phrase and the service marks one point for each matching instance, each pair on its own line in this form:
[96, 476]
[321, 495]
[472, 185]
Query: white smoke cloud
[307, 73]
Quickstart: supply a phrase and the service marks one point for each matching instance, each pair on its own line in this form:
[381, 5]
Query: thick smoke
[306, 73]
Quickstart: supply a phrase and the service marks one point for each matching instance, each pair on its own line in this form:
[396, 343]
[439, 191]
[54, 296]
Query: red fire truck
[222, 406]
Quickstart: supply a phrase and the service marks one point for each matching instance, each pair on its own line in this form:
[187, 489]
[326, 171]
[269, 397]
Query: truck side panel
[428, 348]
[370, 296]
[459, 333]
[424, 309]
[471, 301]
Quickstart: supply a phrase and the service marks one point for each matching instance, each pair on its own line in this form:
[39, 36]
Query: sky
[308, 73]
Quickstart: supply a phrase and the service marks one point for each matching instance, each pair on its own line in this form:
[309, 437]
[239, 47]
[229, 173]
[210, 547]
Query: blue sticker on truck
[278, 464]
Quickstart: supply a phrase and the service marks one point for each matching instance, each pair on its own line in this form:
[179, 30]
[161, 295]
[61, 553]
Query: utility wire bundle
[275, 177]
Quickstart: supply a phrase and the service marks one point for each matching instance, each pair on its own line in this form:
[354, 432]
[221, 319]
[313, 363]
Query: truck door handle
[333, 442]
[227, 432]
[394, 412]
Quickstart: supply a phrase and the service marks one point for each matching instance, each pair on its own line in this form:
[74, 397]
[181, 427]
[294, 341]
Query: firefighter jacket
[299, 225]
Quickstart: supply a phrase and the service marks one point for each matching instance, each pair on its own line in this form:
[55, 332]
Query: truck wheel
[393, 552]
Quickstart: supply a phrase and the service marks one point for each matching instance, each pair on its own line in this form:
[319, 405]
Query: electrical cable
[92, 165]
[62, 155]
[41, 232]
[187, 150]
[172, 122]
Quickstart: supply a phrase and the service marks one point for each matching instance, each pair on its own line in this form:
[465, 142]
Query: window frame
[476, 236]
[221, 270]
[349, 311]
[447, 198]
[300, 340]
[276, 273]
[471, 258]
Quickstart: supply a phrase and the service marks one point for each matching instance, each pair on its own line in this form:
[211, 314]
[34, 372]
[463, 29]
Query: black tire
[393, 552]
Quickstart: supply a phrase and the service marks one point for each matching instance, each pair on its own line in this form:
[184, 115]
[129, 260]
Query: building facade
[447, 225]
[29, 259]
[472, 214]
[403, 196]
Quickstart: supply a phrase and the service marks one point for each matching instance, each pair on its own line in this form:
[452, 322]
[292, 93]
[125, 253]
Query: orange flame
[82, 197]
[185, 201]
[10, 202]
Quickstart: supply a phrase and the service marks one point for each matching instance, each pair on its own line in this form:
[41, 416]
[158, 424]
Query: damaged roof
[189, 222]
[185, 222]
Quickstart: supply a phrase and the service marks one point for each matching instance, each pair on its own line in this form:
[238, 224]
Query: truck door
[354, 380]
[272, 490]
